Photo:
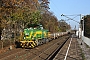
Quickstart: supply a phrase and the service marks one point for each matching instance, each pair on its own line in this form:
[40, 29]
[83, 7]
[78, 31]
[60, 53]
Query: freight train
[35, 36]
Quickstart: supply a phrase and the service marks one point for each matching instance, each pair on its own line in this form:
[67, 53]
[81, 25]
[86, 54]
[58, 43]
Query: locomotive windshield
[35, 26]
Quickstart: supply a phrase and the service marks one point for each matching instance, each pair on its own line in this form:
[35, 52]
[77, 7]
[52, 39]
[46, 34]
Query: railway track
[52, 51]
[45, 51]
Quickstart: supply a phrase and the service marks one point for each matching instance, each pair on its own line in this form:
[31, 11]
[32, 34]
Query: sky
[71, 9]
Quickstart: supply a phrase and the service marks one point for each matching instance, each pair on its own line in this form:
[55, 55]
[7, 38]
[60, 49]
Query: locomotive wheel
[47, 40]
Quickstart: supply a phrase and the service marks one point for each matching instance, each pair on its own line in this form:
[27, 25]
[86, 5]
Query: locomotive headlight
[24, 37]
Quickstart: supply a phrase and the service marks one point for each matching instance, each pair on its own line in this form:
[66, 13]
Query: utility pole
[83, 27]
[80, 29]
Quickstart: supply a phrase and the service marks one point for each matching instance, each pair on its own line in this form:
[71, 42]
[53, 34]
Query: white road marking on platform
[68, 50]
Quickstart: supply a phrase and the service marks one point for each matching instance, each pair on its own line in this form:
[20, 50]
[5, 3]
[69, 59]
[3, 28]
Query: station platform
[74, 50]
[85, 49]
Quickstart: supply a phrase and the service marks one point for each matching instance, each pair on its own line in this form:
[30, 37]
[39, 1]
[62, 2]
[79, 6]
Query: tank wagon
[33, 36]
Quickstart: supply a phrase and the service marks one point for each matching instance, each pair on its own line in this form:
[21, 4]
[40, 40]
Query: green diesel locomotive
[33, 36]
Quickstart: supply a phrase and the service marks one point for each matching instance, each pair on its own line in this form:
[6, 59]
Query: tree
[17, 14]
[63, 26]
[49, 21]
[87, 25]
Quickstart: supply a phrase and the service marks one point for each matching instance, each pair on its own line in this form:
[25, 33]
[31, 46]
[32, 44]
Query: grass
[82, 55]
[87, 46]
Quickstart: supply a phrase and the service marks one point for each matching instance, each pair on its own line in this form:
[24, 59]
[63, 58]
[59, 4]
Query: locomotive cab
[33, 36]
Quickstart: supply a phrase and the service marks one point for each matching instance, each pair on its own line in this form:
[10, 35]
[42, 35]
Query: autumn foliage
[87, 25]
[15, 15]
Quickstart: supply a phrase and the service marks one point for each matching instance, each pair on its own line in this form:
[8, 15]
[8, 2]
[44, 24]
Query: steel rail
[55, 52]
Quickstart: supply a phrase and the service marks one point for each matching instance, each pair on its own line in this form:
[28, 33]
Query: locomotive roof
[34, 25]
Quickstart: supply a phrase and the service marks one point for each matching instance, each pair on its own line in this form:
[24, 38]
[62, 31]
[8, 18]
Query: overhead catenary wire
[54, 5]
[55, 8]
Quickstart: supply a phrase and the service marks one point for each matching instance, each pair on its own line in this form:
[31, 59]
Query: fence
[86, 40]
